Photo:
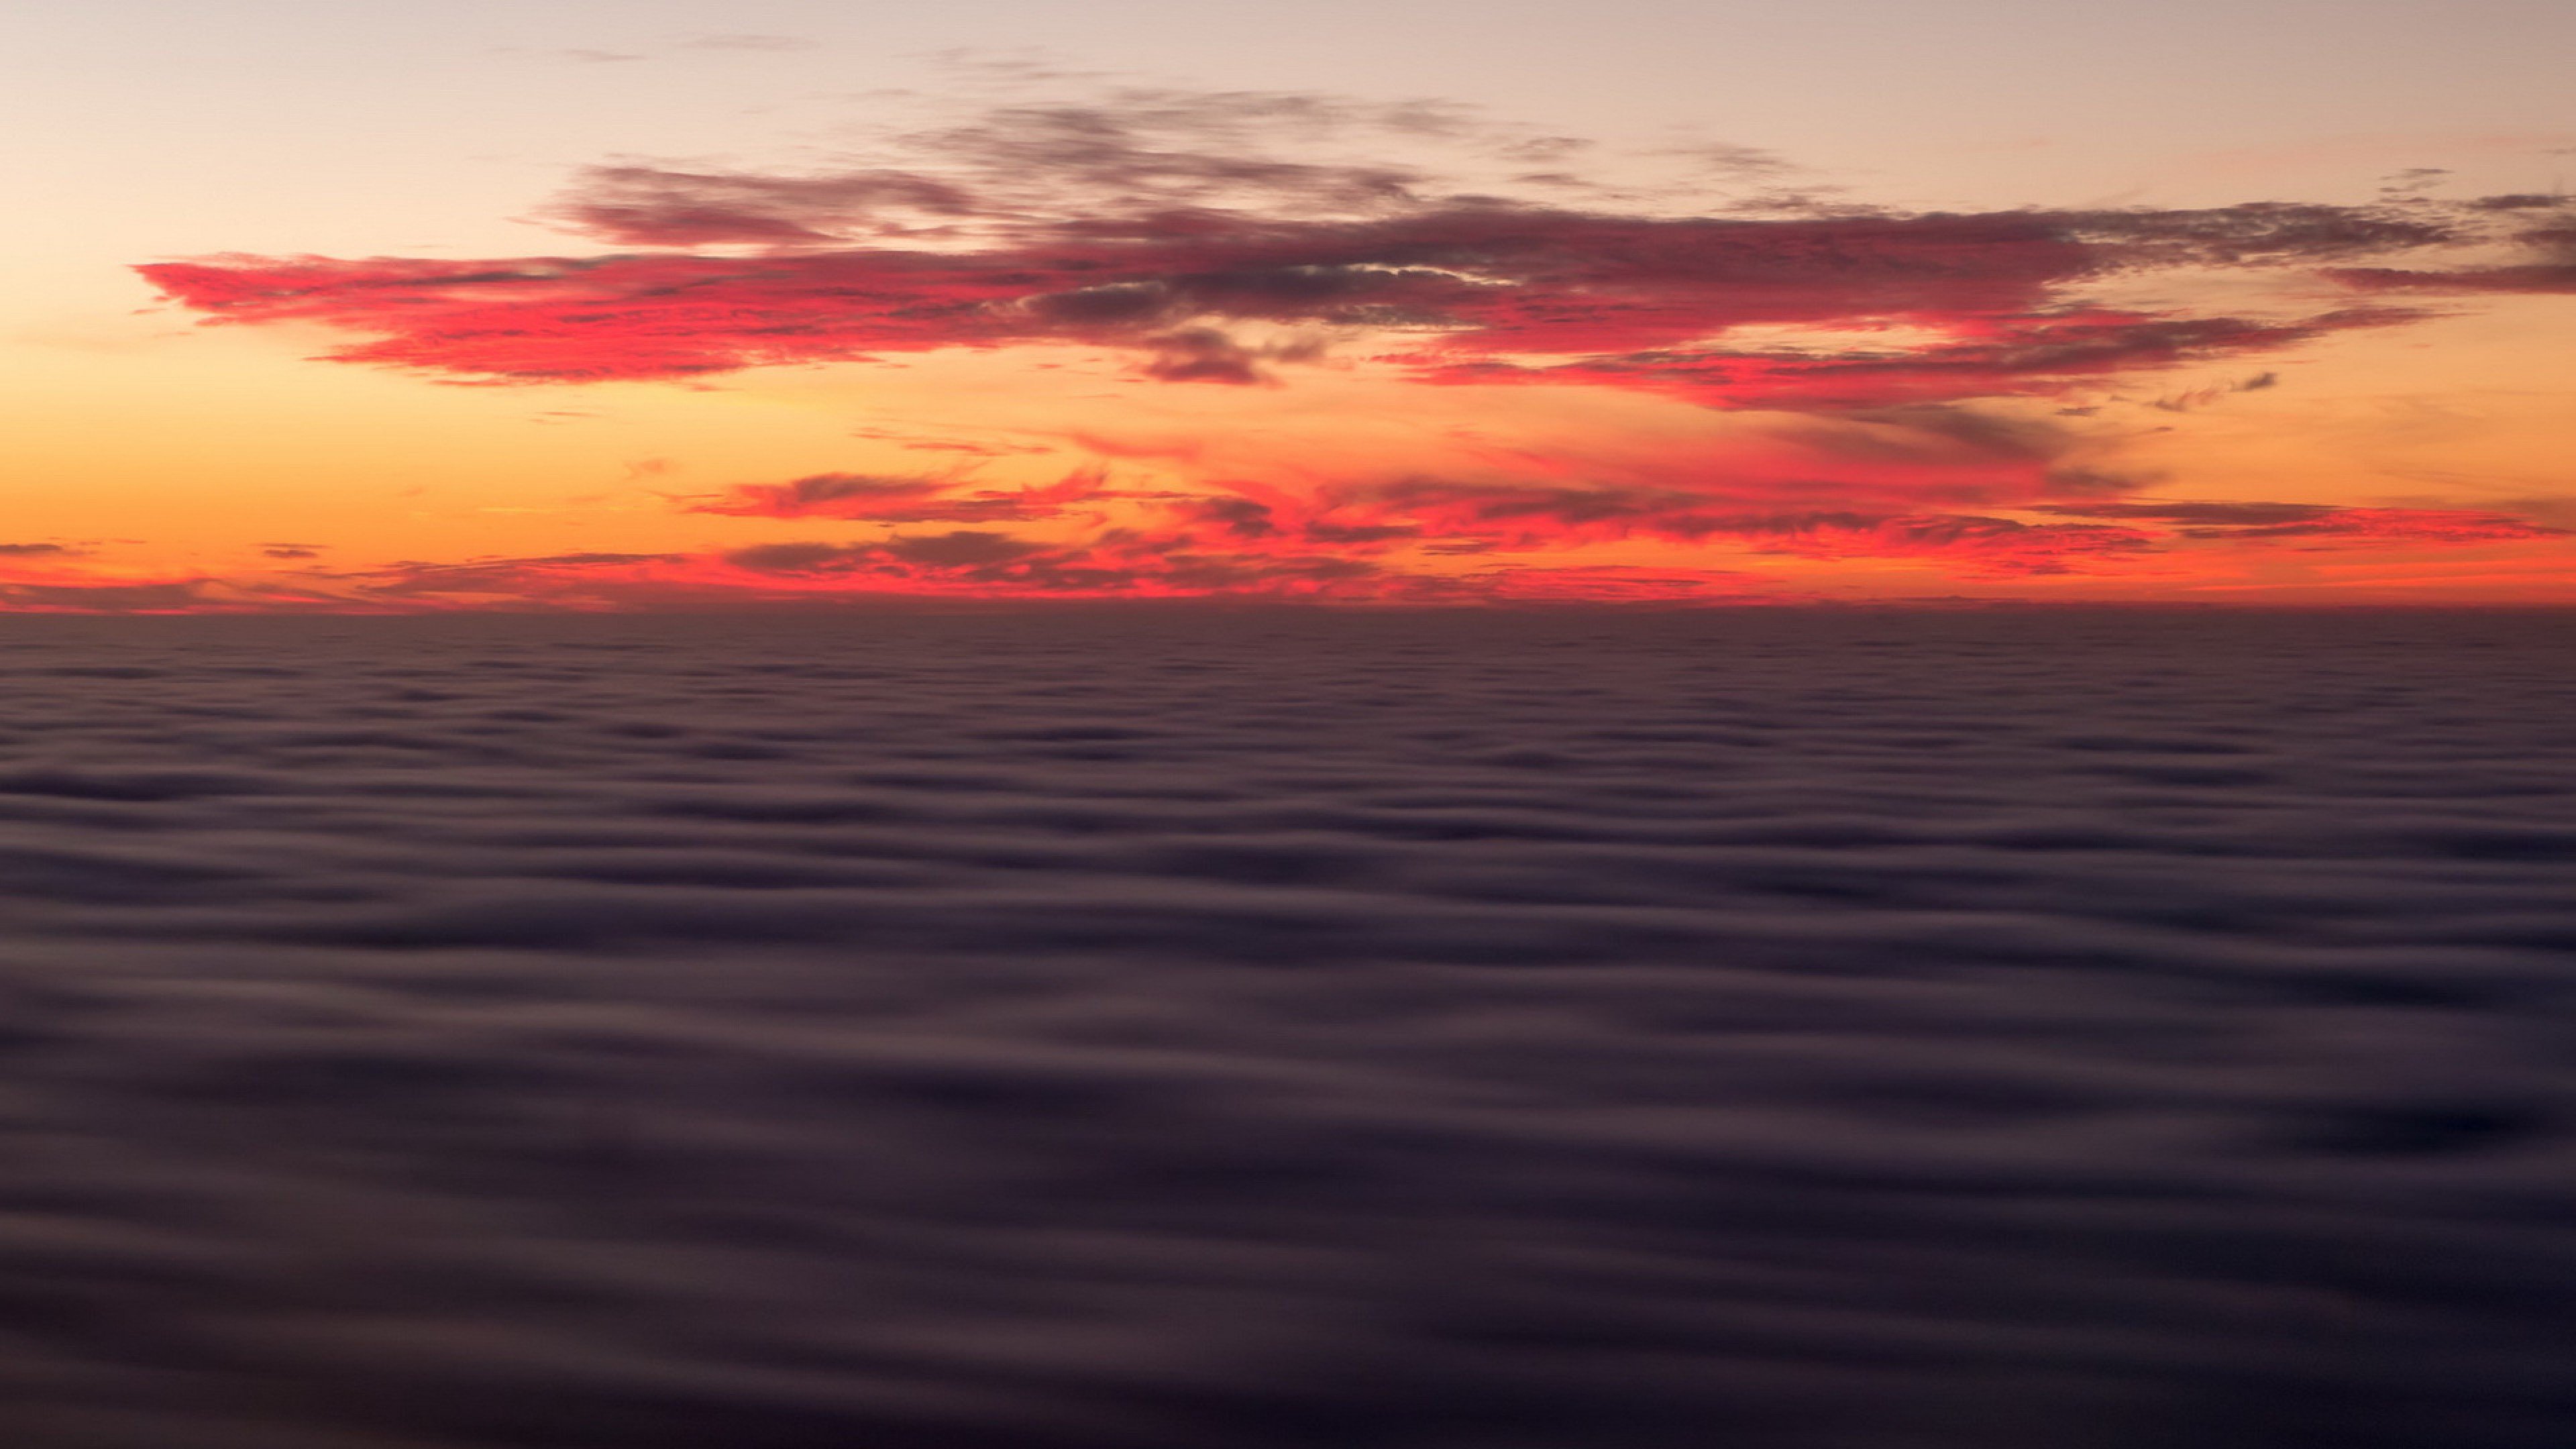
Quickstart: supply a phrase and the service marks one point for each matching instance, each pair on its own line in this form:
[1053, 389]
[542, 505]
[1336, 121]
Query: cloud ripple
[1273, 1029]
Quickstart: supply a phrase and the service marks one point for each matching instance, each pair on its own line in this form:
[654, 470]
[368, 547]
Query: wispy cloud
[1245, 238]
[1165, 223]
[899, 500]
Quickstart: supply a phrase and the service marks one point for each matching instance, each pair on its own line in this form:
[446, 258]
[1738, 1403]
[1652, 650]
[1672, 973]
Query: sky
[666, 305]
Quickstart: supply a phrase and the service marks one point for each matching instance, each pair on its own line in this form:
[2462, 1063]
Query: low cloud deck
[1126, 1030]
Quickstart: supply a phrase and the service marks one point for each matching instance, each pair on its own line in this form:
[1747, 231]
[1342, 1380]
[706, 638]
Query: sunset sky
[607, 304]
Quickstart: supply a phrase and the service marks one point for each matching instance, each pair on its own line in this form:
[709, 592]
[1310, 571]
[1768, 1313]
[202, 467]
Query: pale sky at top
[295, 123]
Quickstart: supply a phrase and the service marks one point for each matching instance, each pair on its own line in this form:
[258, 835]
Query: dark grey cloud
[1241, 1029]
[830, 495]
[2218, 513]
[958, 548]
[1208, 354]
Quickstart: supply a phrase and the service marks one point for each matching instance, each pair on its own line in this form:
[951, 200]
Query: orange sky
[1058, 332]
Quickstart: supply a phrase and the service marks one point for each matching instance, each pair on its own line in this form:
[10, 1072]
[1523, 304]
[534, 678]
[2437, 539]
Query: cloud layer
[1465, 285]
[1154, 221]
[1909, 383]
[1272, 1029]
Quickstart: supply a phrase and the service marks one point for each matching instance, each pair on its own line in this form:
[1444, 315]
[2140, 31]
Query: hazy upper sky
[2253, 301]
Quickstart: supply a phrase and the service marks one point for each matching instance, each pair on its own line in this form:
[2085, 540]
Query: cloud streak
[1419, 542]
[1164, 223]
[1466, 291]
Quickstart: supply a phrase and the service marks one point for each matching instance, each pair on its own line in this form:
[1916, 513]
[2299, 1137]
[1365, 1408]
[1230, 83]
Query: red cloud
[1164, 227]
[1398, 544]
[1141, 230]
[1383, 539]
[1456, 518]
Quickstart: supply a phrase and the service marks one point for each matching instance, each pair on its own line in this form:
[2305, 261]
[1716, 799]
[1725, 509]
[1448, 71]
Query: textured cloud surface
[1263, 1029]
[1628, 301]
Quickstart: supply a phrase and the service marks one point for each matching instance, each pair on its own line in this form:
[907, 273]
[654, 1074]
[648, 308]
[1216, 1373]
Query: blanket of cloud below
[1262, 1030]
